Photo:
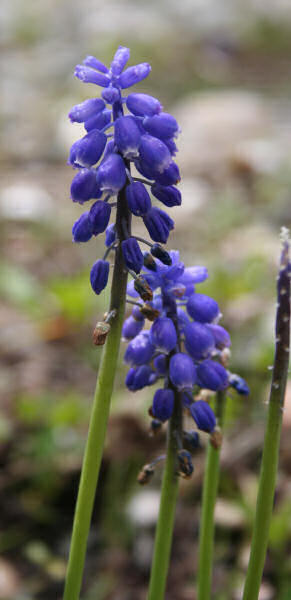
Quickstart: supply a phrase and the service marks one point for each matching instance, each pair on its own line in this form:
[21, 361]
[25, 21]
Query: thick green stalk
[99, 419]
[164, 531]
[267, 481]
[210, 487]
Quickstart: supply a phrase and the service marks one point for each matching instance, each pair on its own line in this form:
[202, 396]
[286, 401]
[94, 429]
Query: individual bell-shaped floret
[140, 350]
[199, 341]
[132, 254]
[212, 375]
[162, 126]
[171, 146]
[127, 136]
[163, 334]
[163, 404]
[133, 75]
[85, 110]
[143, 105]
[194, 275]
[87, 151]
[98, 121]
[110, 235]
[131, 328]
[137, 314]
[136, 379]
[154, 153]
[99, 216]
[203, 416]
[168, 195]
[92, 61]
[82, 230]
[170, 176]
[182, 371]
[221, 336]
[84, 186]
[158, 224]
[89, 75]
[99, 275]
[111, 174]
[202, 308]
[239, 384]
[120, 59]
[138, 199]
[160, 364]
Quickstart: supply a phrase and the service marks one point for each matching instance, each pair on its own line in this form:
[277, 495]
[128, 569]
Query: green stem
[210, 487]
[267, 481]
[98, 420]
[164, 532]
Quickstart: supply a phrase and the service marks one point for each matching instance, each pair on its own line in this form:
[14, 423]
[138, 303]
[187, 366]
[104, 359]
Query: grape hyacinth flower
[183, 351]
[126, 135]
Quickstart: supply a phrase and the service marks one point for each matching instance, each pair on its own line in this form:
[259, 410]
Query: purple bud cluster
[185, 349]
[129, 152]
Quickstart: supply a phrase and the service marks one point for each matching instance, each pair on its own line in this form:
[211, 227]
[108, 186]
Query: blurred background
[223, 69]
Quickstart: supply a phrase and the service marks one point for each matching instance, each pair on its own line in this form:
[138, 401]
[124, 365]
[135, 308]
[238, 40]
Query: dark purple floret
[110, 235]
[98, 121]
[143, 105]
[203, 416]
[131, 328]
[162, 126]
[127, 136]
[168, 195]
[99, 275]
[239, 384]
[163, 334]
[138, 199]
[158, 224]
[87, 151]
[202, 308]
[111, 174]
[154, 153]
[99, 216]
[182, 371]
[84, 186]
[163, 404]
[87, 109]
[132, 255]
[82, 230]
[140, 350]
[136, 379]
[212, 375]
[134, 75]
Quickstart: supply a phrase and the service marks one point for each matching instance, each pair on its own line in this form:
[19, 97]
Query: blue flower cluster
[185, 348]
[114, 143]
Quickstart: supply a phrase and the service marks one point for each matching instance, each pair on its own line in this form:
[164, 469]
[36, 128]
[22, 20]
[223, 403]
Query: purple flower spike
[99, 216]
[202, 308]
[154, 153]
[131, 328]
[132, 254]
[163, 334]
[203, 416]
[87, 151]
[212, 375]
[89, 75]
[86, 110]
[163, 404]
[158, 224]
[91, 61]
[199, 341]
[84, 186]
[137, 379]
[182, 371]
[162, 126]
[168, 195]
[138, 199]
[99, 120]
[82, 231]
[110, 235]
[143, 105]
[140, 350]
[111, 174]
[127, 136]
[120, 59]
[99, 276]
[133, 75]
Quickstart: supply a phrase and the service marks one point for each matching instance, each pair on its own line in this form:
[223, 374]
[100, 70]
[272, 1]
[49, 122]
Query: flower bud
[127, 136]
[132, 254]
[221, 336]
[163, 334]
[149, 262]
[87, 151]
[170, 175]
[111, 174]
[133, 75]
[89, 75]
[194, 275]
[137, 379]
[199, 341]
[138, 199]
[111, 94]
[84, 186]
[203, 415]
[155, 153]
[162, 126]
[182, 371]
[158, 224]
[168, 195]
[120, 59]
[239, 384]
[82, 230]
[91, 61]
[140, 350]
[99, 276]
[212, 375]
[110, 235]
[99, 216]
[131, 328]
[160, 364]
[202, 308]
[98, 121]
[85, 110]
[143, 105]
[163, 404]
[158, 252]
[185, 464]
